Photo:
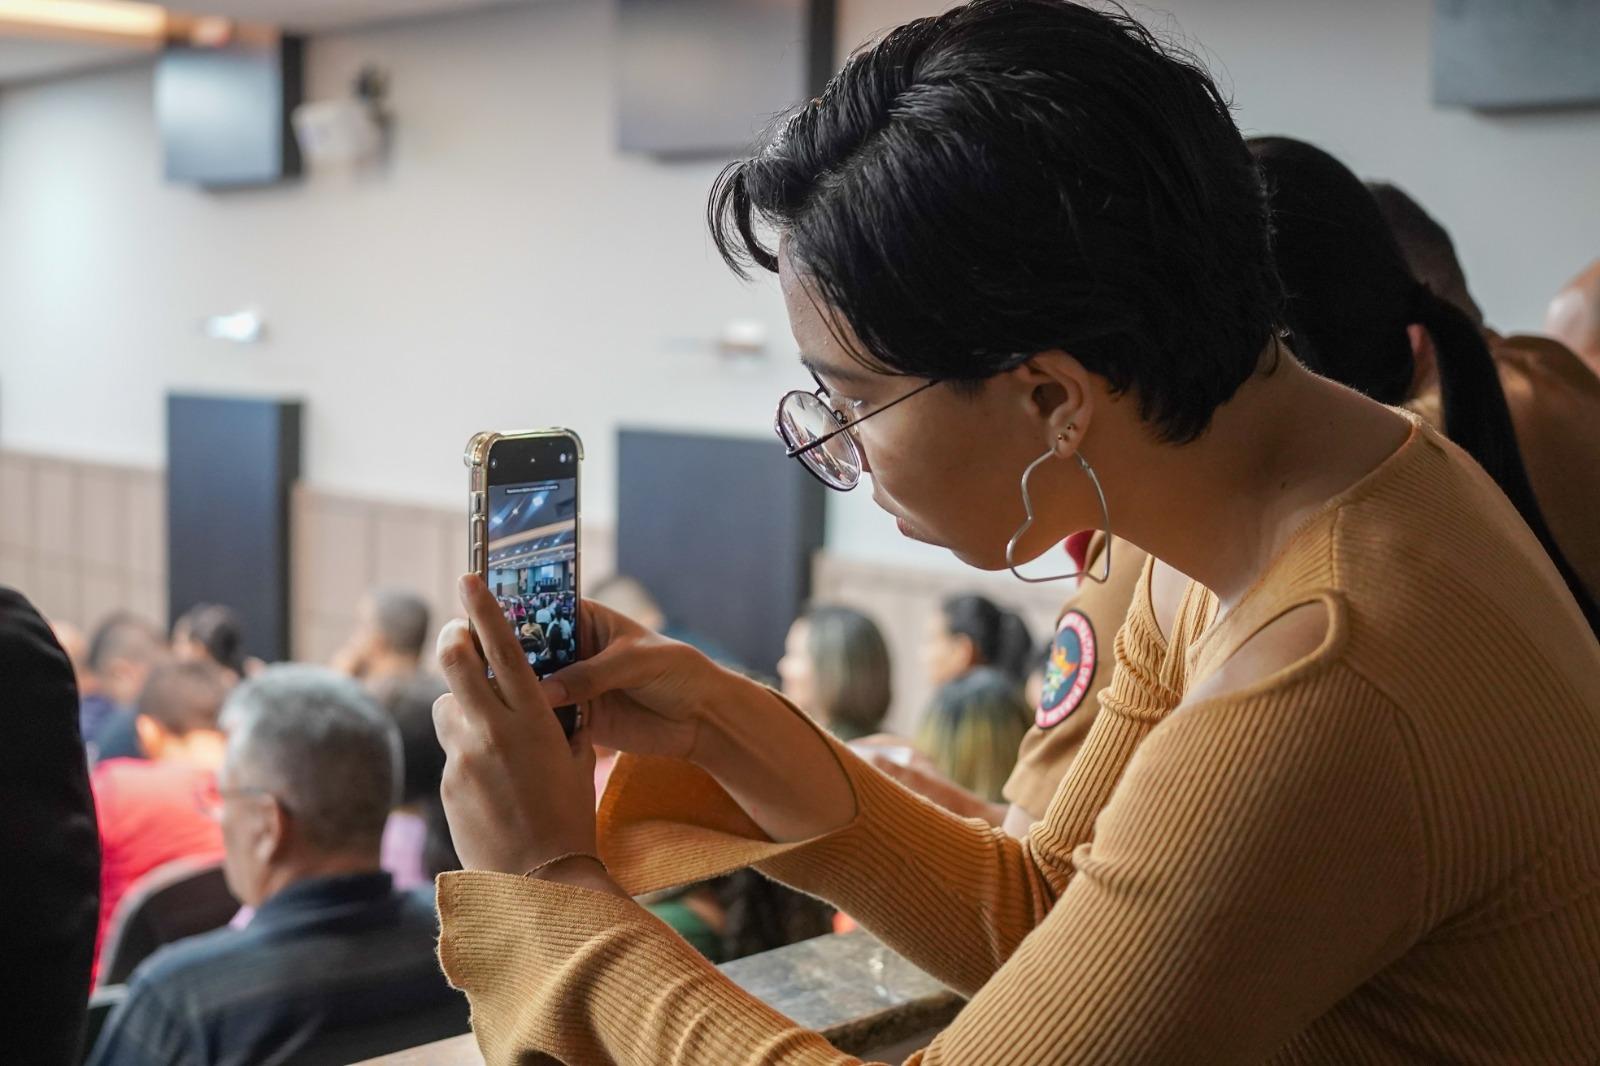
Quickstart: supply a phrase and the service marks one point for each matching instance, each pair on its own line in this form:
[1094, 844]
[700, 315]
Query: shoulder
[1301, 636]
[189, 963]
[28, 650]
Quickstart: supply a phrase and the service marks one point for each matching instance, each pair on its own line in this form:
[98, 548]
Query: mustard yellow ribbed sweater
[1388, 852]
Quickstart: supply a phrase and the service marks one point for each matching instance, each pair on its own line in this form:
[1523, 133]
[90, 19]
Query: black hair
[1427, 246]
[1000, 638]
[409, 702]
[401, 617]
[850, 660]
[183, 697]
[218, 630]
[123, 635]
[1016, 176]
[1350, 297]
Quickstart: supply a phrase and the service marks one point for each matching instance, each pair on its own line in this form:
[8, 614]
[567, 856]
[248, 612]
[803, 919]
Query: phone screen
[531, 545]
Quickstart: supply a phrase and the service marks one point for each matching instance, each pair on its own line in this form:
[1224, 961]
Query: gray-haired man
[335, 965]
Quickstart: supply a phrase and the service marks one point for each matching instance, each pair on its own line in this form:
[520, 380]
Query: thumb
[609, 669]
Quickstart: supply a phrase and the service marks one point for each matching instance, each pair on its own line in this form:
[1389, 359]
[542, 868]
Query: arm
[901, 858]
[1240, 884]
[48, 836]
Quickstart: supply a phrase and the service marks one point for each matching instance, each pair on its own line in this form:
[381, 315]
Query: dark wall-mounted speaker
[231, 464]
[721, 531]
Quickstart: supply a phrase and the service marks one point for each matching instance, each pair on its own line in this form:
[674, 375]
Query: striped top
[1388, 851]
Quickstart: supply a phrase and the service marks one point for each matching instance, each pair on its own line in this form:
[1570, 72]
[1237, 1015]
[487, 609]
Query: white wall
[510, 268]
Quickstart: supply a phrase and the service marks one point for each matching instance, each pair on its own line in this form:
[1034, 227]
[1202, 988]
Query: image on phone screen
[532, 566]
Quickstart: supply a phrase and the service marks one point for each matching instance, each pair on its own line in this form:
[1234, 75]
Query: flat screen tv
[1495, 54]
[699, 78]
[224, 112]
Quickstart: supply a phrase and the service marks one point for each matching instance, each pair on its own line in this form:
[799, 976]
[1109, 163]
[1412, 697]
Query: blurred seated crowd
[296, 809]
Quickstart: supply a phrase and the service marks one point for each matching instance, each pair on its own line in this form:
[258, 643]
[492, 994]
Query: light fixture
[117, 21]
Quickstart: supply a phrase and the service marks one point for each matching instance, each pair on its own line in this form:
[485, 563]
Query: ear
[1424, 359]
[153, 736]
[273, 840]
[1057, 394]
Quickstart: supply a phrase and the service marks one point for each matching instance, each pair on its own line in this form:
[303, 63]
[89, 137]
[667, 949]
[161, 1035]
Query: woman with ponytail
[1356, 314]
[972, 631]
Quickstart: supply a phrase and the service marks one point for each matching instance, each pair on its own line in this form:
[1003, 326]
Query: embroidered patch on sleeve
[1070, 671]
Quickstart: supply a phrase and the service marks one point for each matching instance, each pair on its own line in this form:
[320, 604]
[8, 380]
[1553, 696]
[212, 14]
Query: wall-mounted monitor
[224, 112]
[699, 78]
[1502, 54]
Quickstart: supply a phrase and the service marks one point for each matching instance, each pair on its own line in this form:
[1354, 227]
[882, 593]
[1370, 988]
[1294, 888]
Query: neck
[390, 664]
[294, 869]
[1219, 508]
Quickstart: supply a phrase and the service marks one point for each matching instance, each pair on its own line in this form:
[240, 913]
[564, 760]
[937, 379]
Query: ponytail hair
[1475, 415]
[1349, 296]
[999, 637]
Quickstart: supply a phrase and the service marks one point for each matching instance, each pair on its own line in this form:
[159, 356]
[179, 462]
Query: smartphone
[523, 540]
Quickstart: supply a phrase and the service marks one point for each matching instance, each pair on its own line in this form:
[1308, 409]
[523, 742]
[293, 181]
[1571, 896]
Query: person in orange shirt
[1026, 254]
[151, 811]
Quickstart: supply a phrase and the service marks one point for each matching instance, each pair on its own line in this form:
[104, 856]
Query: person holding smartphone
[1025, 253]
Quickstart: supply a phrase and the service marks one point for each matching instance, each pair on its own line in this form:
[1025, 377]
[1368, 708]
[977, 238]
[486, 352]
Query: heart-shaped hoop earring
[1027, 506]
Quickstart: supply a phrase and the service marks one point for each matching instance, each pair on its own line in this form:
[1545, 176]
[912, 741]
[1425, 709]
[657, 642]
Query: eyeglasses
[816, 433]
[209, 797]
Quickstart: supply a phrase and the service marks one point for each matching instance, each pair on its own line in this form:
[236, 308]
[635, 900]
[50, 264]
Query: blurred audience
[52, 871]
[303, 797]
[1573, 317]
[123, 650]
[972, 728]
[148, 808]
[212, 633]
[835, 667]
[972, 631]
[390, 638]
[416, 842]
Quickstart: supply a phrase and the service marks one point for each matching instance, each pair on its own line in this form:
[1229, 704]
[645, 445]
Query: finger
[599, 625]
[454, 730]
[462, 666]
[504, 654]
[620, 666]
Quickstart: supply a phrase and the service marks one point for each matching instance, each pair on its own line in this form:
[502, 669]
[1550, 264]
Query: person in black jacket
[51, 883]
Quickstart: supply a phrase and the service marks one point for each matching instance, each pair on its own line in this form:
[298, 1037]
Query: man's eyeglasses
[209, 797]
[816, 433]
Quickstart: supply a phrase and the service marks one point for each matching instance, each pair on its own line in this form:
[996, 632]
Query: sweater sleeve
[664, 822]
[1241, 881]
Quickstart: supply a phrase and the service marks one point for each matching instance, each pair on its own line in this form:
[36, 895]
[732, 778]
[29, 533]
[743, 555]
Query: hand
[649, 695]
[642, 692]
[516, 792]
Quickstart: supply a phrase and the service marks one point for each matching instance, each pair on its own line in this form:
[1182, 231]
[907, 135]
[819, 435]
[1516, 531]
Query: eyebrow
[835, 373]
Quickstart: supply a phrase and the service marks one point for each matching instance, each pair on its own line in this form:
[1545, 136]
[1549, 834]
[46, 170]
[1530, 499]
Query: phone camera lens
[563, 457]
